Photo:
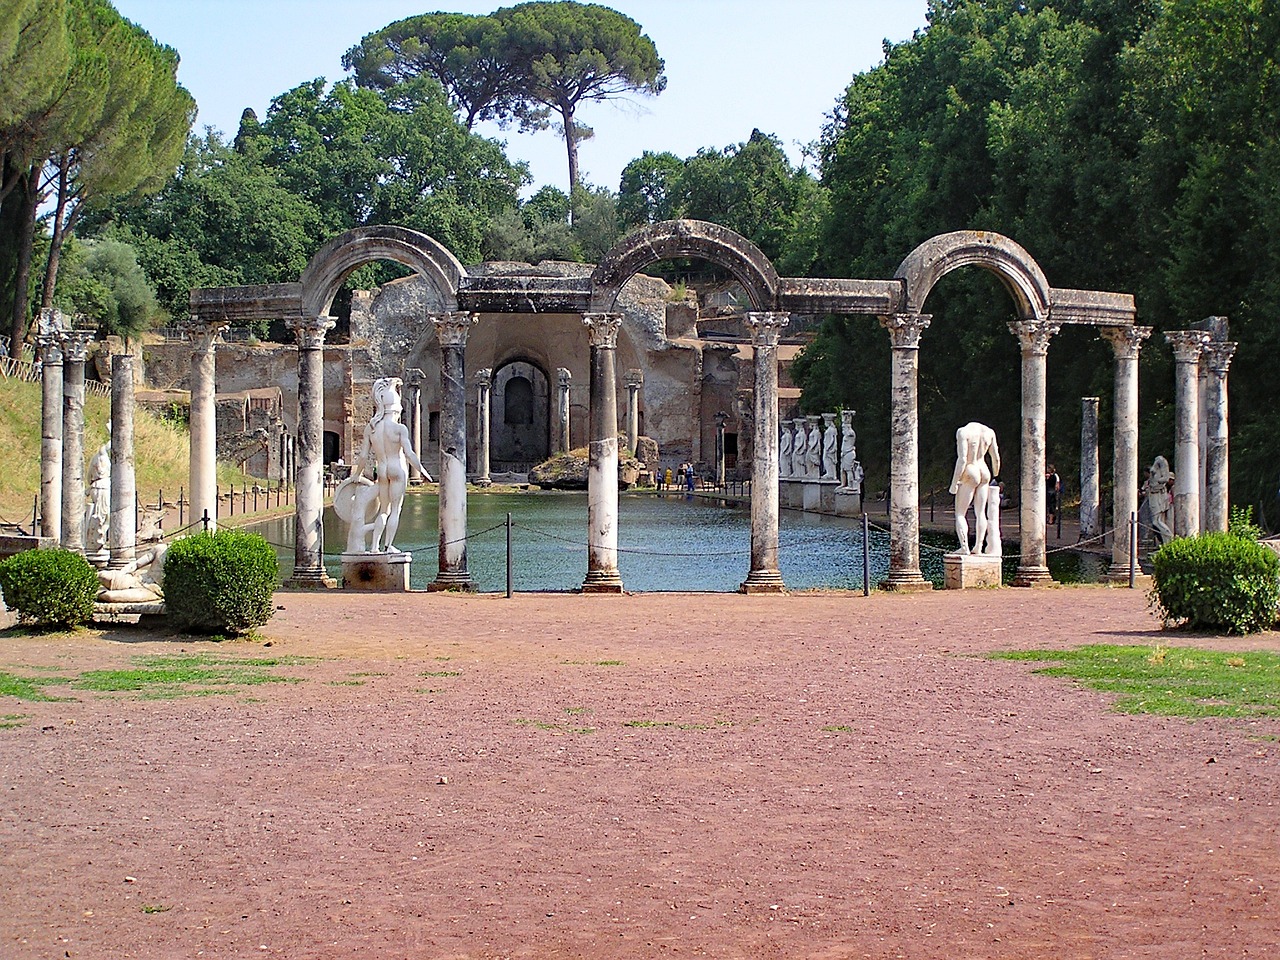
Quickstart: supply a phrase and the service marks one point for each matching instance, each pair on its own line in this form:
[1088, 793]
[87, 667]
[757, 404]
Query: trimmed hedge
[1216, 581]
[220, 583]
[54, 588]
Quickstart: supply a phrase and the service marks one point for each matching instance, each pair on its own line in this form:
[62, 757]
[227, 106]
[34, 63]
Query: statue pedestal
[377, 572]
[964, 571]
[848, 502]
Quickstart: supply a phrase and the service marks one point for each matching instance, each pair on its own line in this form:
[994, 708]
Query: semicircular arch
[685, 238]
[336, 259]
[1016, 269]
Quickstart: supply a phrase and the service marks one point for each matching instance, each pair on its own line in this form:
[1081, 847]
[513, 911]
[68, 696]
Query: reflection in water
[665, 543]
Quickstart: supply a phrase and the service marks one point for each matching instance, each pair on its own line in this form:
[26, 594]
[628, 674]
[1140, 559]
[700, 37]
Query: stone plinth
[848, 504]
[791, 494]
[965, 571]
[376, 572]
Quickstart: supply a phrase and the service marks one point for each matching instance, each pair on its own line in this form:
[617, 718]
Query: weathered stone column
[602, 467]
[75, 349]
[122, 535]
[1090, 521]
[308, 542]
[452, 330]
[413, 416]
[484, 381]
[721, 418]
[1187, 346]
[1033, 335]
[764, 576]
[634, 381]
[1216, 360]
[1126, 342]
[203, 484]
[904, 458]
[50, 352]
[563, 379]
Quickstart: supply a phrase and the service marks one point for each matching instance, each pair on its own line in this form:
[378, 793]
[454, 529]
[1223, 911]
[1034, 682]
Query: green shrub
[1216, 581]
[52, 588]
[220, 583]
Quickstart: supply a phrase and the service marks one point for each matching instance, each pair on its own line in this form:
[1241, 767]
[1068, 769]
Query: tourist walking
[1052, 494]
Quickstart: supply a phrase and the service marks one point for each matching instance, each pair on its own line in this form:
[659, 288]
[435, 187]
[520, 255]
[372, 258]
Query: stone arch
[1016, 269]
[685, 238]
[337, 258]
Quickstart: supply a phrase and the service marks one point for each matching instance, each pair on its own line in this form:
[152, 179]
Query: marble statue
[97, 512]
[971, 483]
[830, 437]
[1159, 493]
[848, 454]
[141, 580]
[784, 452]
[372, 506]
[813, 450]
[798, 448]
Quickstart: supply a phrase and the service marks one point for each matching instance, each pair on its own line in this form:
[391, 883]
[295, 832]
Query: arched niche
[1017, 271]
[337, 258]
[685, 238]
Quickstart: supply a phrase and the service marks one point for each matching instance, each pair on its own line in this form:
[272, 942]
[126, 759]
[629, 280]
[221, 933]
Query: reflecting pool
[665, 543]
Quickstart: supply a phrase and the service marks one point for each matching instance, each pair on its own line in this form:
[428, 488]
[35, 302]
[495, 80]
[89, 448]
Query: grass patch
[838, 728]
[609, 663]
[27, 688]
[346, 683]
[371, 673]
[10, 720]
[155, 908]
[441, 673]
[577, 711]
[1169, 681]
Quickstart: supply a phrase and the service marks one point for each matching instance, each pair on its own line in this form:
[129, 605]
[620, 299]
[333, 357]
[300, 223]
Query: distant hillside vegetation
[160, 450]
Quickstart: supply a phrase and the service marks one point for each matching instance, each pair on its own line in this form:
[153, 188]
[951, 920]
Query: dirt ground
[555, 776]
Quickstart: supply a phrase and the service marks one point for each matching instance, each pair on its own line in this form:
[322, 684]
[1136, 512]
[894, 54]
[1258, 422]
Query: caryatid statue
[799, 444]
[784, 452]
[1159, 494]
[813, 451]
[830, 437]
[848, 452]
[97, 515]
[372, 507]
[971, 484]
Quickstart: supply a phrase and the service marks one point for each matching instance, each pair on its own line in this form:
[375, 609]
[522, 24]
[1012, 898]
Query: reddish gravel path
[687, 775]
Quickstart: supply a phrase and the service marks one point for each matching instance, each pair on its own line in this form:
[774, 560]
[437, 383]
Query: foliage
[54, 588]
[749, 187]
[551, 226]
[221, 582]
[519, 63]
[1216, 581]
[102, 280]
[1171, 681]
[1128, 146]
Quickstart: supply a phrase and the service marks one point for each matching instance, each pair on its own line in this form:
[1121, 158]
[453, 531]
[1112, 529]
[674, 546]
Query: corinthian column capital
[310, 331]
[483, 378]
[602, 329]
[905, 329]
[766, 327]
[1217, 356]
[1187, 345]
[1126, 342]
[75, 345]
[452, 329]
[1034, 335]
[203, 333]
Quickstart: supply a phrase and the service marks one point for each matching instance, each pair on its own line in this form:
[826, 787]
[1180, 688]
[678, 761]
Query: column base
[1118, 576]
[1034, 576]
[763, 581]
[906, 581]
[602, 581]
[456, 580]
[310, 580]
[482, 482]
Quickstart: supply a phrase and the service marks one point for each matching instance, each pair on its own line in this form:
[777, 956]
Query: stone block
[812, 495]
[965, 571]
[376, 572]
[848, 504]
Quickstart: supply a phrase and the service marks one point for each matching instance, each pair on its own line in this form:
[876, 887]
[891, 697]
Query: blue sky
[731, 65]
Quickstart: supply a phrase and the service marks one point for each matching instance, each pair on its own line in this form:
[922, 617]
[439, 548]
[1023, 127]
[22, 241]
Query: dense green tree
[103, 281]
[520, 63]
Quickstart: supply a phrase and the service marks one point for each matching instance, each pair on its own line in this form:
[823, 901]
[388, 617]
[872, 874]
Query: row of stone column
[63, 353]
[1199, 359]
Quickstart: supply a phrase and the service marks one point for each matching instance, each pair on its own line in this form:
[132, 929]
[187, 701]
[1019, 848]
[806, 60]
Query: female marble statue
[97, 513]
[1159, 494]
[387, 449]
[784, 453]
[813, 451]
[848, 452]
[798, 449]
[830, 437]
[971, 483]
